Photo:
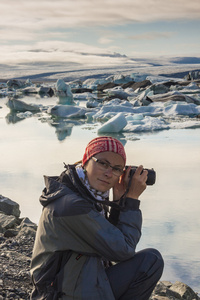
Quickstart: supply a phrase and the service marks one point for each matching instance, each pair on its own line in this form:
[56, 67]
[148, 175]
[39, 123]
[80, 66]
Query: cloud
[151, 35]
[58, 51]
[25, 22]
[40, 14]
[105, 40]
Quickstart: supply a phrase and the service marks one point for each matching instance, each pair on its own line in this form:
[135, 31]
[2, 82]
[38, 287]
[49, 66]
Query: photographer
[85, 245]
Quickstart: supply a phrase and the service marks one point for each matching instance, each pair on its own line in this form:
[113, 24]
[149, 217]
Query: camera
[151, 177]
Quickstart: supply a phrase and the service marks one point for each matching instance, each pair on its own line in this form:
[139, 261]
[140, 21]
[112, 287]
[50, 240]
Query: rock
[11, 233]
[7, 222]
[167, 291]
[27, 231]
[184, 291]
[163, 291]
[26, 222]
[15, 257]
[9, 207]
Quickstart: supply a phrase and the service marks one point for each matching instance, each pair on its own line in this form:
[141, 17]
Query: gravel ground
[15, 258]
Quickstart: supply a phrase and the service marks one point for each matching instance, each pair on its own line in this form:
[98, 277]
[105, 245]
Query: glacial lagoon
[35, 146]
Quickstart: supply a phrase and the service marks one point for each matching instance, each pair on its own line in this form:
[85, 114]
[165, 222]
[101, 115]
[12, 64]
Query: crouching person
[85, 246]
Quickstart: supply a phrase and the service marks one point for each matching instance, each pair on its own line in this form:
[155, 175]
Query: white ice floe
[92, 104]
[111, 110]
[84, 96]
[24, 115]
[146, 124]
[117, 101]
[63, 90]
[119, 78]
[144, 118]
[115, 124]
[191, 88]
[155, 109]
[67, 111]
[154, 124]
[162, 79]
[138, 76]
[93, 83]
[186, 109]
[186, 124]
[6, 92]
[172, 95]
[18, 105]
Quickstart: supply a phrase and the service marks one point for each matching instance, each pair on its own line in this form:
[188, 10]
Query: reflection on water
[37, 146]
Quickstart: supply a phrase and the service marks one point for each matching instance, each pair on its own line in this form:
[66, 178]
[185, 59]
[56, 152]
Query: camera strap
[123, 197]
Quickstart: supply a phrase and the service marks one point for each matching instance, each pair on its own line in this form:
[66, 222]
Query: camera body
[151, 177]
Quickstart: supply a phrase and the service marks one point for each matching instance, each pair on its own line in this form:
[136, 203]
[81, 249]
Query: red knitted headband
[102, 144]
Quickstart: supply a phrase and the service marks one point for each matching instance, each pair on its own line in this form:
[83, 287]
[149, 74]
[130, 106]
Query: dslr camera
[151, 177]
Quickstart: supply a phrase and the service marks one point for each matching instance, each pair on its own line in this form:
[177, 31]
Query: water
[33, 147]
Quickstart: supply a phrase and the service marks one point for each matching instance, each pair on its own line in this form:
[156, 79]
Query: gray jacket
[73, 239]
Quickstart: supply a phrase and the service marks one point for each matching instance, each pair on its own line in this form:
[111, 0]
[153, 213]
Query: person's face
[103, 180]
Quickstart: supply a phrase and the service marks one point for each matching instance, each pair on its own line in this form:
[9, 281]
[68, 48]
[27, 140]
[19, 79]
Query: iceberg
[115, 124]
[67, 111]
[63, 91]
[186, 109]
[84, 96]
[18, 105]
[146, 124]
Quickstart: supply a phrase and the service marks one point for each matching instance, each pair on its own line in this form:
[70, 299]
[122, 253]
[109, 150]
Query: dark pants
[135, 279]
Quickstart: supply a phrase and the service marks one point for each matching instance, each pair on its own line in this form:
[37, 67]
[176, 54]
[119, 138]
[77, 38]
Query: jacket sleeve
[90, 233]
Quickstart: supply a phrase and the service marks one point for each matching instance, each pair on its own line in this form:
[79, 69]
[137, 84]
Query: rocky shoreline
[16, 243]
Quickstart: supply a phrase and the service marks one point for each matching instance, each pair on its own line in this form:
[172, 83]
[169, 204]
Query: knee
[153, 259]
[156, 253]
[157, 260]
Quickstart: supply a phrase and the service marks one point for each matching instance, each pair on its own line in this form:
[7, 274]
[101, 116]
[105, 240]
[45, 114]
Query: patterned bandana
[96, 194]
[103, 144]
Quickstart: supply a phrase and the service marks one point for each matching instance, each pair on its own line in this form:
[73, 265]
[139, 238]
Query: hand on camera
[138, 182]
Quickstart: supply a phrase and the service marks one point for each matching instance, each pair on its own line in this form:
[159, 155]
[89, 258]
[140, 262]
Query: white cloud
[57, 51]
[151, 35]
[25, 22]
[39, 14]
[105, 40]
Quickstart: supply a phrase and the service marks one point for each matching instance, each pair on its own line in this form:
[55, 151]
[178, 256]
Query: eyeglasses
[103, 165]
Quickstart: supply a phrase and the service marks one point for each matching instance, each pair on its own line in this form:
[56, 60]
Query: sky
[80, 31]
